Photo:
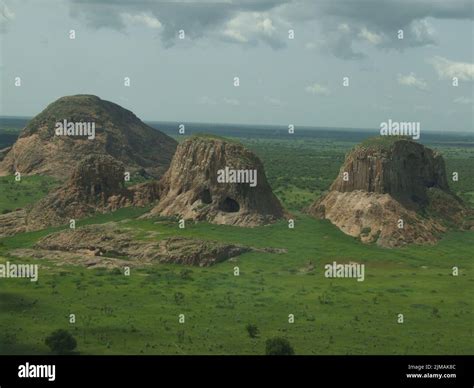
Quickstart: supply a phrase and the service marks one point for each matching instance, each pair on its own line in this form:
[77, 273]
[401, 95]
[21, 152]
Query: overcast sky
[282, 81]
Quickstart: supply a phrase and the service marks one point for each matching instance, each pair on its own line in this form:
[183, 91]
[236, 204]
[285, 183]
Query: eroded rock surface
[118, 134]
[392, 191]
[12, 223]
[191, 189]
[96, 186]
[109, 245]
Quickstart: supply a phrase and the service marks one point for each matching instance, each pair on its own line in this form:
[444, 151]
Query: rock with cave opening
[191, 189]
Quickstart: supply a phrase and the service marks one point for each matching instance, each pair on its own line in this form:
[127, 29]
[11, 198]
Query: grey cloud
[379, 20]
[385, 17]
[371, 22]
[197, 19]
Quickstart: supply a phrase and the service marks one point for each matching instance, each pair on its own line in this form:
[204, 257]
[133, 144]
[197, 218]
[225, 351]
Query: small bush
[278, 346]
[61, 342]
[252, 330]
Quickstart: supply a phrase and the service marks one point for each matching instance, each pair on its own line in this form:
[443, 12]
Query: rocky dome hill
[118, 133]
[387, 179]
[191, 189]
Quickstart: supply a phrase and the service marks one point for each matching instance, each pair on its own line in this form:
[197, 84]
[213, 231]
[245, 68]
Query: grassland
[18, 194]
[138, 314]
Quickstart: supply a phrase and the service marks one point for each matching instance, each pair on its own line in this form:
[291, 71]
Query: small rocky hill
[96, 185]
[388, 179]
[118, 133]
[191, 189]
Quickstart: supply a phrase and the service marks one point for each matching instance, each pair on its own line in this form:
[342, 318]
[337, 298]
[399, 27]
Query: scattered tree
[61, 342]
[278, 346]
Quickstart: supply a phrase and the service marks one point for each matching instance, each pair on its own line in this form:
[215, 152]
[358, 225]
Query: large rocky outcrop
[96, 185]
[392, 191]
[191, 189]
[107, 245]
[399, 167]
[110, 241]
[118, 133]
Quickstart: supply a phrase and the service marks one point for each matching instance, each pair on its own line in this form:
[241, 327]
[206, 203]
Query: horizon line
[303, 127]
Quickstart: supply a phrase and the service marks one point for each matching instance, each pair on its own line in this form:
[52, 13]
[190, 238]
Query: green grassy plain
[138, 314]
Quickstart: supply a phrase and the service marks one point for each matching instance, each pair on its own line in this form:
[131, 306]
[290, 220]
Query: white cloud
[447, 69]
[423, 108]
[317, 89]
[344, 27]
[235, 35]
[266, 26]
[252, 27]
[205, 100]
[463, 101]
[317, 44]
[231, 101]
[142, 19]
[412, 80]
[423, 32]
[6, 16]
[273, 101]
[369, 36]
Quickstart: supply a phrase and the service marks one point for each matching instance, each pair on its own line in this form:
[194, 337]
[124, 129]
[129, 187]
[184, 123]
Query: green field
[138, 314]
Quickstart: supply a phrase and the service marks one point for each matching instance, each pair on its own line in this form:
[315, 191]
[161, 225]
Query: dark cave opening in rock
[206, 197]
[229, 205]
